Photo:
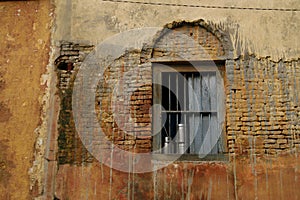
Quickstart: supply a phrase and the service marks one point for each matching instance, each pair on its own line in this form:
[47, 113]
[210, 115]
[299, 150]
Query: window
[187, 104]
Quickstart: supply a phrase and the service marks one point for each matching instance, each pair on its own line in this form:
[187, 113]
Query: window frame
[196, 66]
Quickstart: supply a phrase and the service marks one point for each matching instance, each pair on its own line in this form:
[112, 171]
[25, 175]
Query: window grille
[189, 100]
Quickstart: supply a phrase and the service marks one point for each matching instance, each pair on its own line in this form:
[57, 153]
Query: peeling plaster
[39, 171]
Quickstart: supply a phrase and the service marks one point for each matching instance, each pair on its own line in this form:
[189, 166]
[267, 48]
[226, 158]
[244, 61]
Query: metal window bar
[192, 123]
[205, 85]
[170, 149]
[176, 149]
[186, 142]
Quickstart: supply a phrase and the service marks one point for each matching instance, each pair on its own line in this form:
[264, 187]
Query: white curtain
[203, 126]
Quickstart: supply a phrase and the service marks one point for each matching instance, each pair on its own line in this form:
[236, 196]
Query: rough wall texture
[261, 120]
[188, 41]
[264, 178]
[70, 146]
[263, 113]
[24, 47]
[262, 93]
[133, 110]
[126, 90]
[79, 21]
[262, 106]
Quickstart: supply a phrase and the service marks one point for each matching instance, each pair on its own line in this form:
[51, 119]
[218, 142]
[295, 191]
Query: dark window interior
[189, 100]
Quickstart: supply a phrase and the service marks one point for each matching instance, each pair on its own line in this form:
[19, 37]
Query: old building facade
[123, 77]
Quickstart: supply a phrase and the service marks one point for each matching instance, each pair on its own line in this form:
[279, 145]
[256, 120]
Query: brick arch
[211, 41]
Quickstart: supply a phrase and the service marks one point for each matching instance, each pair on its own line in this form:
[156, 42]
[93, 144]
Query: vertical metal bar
[201, 133]
[210, 91]
[193, 107]
[210, 133]
[193, 145]
[193, 87]
[176, 93]
[184, 92]
[209, 115]
[169, 89]
[200, 92]
[177, 115]
[185, 109]
[217, 110]
[169, 128]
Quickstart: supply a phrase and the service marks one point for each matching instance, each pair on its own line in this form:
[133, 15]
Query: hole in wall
[65, 66]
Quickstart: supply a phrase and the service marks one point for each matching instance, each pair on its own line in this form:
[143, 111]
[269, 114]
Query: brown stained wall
[262, 119]
[241, 178]
[125, 90]
[262, 100]
[70, 148]
[96, 181]
[24, 50]
[262, 106]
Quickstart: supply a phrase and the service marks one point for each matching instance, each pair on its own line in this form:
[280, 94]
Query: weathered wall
[44, 157]
[261, 83]
[252, 133]
[265, 178]
[24, 46]
[93, 21]
[262, 106]
[262, 123]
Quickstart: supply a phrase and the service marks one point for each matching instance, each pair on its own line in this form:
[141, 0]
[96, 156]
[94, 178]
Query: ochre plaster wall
[24, 49]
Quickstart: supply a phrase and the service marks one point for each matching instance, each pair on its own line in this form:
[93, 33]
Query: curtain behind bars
[193, 97]
[203, 125]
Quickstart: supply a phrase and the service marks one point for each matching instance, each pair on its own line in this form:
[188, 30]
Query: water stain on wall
[5, 112]
[5, 164]
[2, 82]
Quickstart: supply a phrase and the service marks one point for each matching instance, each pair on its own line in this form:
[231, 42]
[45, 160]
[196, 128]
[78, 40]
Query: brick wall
[262, 109]
[187, 42]
[262, 106]
[70, 148]
[124, 99]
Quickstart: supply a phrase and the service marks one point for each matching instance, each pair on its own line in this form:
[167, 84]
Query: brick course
[262, 106]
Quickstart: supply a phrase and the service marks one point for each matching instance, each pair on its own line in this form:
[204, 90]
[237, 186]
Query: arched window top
[190, 41]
